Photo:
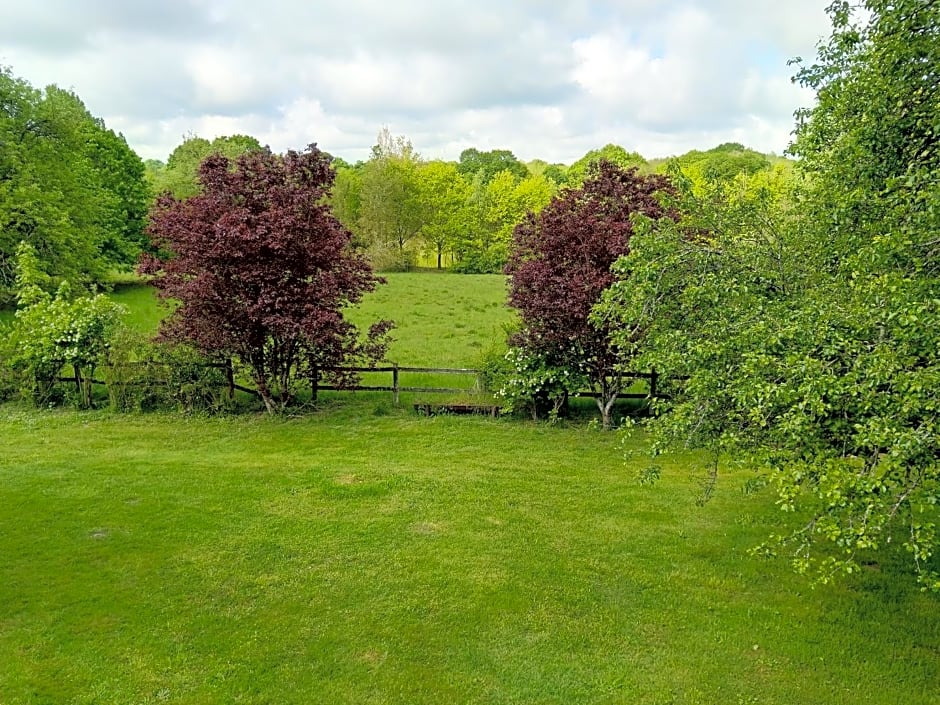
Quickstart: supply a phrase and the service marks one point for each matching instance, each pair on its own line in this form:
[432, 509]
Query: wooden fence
[396, 387]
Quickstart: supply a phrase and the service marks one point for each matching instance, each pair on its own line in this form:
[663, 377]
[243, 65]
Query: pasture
[363, 554]
[441, 319]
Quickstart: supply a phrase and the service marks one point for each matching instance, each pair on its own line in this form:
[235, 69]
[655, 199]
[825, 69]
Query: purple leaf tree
[262, 270]
[560, 263]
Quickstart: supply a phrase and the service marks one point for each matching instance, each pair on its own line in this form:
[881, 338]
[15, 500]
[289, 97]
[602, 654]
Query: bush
[390, 258]
[143, 375]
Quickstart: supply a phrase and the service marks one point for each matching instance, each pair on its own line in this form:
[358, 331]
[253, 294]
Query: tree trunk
[608, 391]
[263, 390]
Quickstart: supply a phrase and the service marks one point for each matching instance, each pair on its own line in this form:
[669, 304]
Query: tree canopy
[486, 165]
[69, 187]
[613, 153]
[805, 312]
[180, 174]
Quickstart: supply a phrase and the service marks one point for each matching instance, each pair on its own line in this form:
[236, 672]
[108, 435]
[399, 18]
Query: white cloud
[548, 80]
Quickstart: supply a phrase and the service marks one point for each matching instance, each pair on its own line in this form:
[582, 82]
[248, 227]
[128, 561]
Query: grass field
[441, 319]
[353, 558]
[363, 554]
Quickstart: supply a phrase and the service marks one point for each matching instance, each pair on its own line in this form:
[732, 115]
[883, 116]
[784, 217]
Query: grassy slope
[441, 319]
[351, 558]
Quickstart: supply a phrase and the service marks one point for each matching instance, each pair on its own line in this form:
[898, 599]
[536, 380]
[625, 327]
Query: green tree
[500, 205]
[180, 175]
[390, 211]
[446, 204]
[69, 186]
[346, 200]
[808, 322]
[724, 162]
[613, 153]
[487, 165]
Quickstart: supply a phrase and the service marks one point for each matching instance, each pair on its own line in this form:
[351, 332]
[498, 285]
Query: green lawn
[354, 556]
[363, 554]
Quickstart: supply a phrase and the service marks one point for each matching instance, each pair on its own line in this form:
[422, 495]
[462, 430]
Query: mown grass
[367, 555]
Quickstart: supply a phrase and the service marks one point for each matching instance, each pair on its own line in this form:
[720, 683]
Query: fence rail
[396, 386]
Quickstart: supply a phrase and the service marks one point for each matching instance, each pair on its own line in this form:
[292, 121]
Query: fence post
[314, 384]
[230, 377]
[395, 382]
[653, 378]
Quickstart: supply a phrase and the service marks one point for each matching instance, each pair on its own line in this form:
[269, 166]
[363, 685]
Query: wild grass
[367, 555]
[441, 319]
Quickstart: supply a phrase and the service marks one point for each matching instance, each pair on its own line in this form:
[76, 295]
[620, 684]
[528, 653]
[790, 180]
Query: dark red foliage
[561, 258]
[260, 267]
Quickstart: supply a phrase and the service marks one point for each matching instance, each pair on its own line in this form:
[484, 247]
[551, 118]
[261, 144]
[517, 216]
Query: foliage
[500, 205]
[263, 270]
[147, 375]
[390, 207]
[485, 166]
[560, 264]
[346, 201]
[807, 322]
[446, 206]
[537, 383]
[724, 162]
[69, 186]
[180, 175]
[613, 153]
[50, 332]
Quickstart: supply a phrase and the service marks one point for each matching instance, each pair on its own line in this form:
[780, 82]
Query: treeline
[74, 190]
[405, 210]
[69, 186]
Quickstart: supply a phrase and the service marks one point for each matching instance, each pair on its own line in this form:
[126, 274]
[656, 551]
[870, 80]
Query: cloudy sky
[547, 79]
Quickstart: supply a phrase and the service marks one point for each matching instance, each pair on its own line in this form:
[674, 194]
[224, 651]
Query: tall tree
[445, 203]
[559, 266]
[811, 337]
[69, 186]
[262, 269]
[390, 212]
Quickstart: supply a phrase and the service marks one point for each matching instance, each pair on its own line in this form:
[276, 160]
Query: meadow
[363, 554]
[441, 319]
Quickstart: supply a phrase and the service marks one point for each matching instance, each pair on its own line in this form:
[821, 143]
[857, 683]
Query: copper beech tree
[262, 270]
[560, 264]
